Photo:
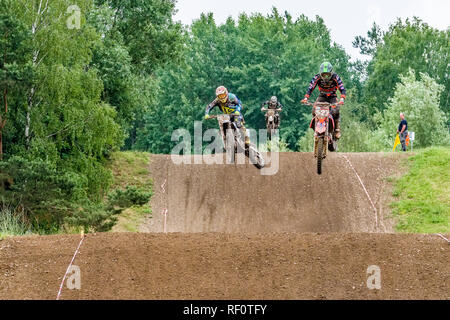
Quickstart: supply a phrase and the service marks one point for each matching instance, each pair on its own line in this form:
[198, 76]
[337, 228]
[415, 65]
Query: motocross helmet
[326, 71]
[222, 94]
[273, 101]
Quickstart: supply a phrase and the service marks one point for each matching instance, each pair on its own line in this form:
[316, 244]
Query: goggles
[326, 76]
[222, 97]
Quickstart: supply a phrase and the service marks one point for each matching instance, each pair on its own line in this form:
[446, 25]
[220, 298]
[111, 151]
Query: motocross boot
[246, 137]
[337, 131]
[247, 141]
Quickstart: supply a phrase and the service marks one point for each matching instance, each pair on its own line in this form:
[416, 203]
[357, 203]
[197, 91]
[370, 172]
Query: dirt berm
[238, 199]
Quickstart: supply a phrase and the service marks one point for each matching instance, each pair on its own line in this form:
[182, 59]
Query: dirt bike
[229, 129]
[270, 121]
[324, 135]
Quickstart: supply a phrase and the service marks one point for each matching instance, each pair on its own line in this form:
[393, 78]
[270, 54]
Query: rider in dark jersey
[273, 103]
[329, 83]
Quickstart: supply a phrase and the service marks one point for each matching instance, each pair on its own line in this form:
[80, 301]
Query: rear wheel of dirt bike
[319, 156]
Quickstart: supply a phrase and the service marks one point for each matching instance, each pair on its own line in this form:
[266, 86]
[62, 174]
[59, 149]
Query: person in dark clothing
[273, 103]
[403, 131]
[329, 83]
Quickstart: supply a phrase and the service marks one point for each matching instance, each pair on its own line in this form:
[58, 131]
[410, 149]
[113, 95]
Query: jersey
[329, 87]
[231, 106]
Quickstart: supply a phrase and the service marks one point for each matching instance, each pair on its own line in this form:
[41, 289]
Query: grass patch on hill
[131, 169]
[423, 194]
[131, 181]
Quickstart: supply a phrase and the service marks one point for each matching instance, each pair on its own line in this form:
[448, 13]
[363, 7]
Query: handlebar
[265, 109]
[215, 116]
[321, 104]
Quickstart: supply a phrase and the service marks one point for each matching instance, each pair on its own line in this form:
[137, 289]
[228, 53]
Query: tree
[138, 37]
[57, 120]
[255, 57]
[419, 101]
[147, 30]
[15, 50]
[410, 44]
[368, 46]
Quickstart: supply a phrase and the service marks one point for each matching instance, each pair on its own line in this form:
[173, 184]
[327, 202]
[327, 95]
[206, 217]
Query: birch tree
[15, 49]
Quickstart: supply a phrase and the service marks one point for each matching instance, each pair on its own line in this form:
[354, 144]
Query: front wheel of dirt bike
[319, 156]
[272, 133]
[255, 157]
[270, 130]
[230, 152]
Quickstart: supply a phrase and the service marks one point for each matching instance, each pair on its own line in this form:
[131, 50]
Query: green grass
[132, 218]
[11, 223]
[131, 169]
[423, 194]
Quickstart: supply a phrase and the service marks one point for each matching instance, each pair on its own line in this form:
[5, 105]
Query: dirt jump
[227, 232]
[238, 199]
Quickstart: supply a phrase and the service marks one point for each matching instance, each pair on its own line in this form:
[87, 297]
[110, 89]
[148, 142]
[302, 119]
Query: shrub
[49, 197]
[120, 200]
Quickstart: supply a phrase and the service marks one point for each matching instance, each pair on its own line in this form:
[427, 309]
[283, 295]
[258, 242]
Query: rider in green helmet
[328, 82]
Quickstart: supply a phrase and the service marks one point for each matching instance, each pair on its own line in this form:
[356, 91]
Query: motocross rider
[329, 82]
[228, 103]
[273, 103]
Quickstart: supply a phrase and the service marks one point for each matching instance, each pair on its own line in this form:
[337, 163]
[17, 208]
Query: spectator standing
[403, 131]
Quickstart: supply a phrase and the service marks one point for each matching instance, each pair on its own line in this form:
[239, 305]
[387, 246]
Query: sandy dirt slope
[227, 266]
[238, 199]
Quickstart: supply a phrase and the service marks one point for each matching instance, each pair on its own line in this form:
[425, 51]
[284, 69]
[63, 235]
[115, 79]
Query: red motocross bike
[324, 135]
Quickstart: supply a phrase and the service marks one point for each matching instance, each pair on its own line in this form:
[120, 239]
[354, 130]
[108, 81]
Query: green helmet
[326, 71]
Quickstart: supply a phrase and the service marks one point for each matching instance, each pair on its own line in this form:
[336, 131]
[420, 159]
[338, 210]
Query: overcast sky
[346, 18]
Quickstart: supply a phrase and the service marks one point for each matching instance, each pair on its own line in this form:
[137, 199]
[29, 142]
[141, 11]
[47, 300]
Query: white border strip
[68, 268]
[163, 185]
[365, 190]
[440, 235]
[165, 212]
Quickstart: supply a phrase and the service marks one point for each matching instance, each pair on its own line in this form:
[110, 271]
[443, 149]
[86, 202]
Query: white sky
[346, 18]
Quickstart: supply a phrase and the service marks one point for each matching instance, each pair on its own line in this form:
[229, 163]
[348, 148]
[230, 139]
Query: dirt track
[293, 248]
[221, 266]
[238, 199]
